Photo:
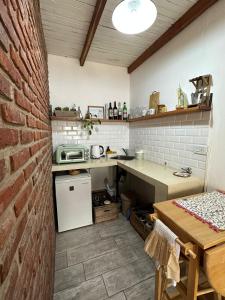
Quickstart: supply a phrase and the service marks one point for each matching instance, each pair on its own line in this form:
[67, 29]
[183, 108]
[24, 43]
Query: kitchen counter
[167, 186]
[90, 164]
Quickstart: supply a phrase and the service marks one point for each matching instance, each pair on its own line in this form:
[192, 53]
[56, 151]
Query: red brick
[8, 137]
[34, 149]
[2, 169]
[9, 68]
[24, 59]
[33, 198]
[8, 24]
[26, 136]
[9, 254]
[28, 235]
[12, 115]
[18, 62]
[4, 41]
[37, 135]
[6, 88]
[5, 229]
[29, 170]
[14, 5]
[19, 159]
[31, 122]
[9, 291]
[8, 193]
[22, 101]
[13, 15]
[35, 111]
[22, 199]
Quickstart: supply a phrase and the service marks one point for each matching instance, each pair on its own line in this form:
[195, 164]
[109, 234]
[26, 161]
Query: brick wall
[26, 213]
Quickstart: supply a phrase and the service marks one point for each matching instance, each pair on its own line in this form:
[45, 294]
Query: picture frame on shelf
[96, 112]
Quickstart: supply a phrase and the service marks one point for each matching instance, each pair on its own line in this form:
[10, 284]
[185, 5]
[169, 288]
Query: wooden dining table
[208, 245]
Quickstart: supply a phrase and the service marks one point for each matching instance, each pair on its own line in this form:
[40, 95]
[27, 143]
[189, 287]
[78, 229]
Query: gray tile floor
[103, 261]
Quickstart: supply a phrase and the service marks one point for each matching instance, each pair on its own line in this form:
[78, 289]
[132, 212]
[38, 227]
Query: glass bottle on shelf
[124, 111]
[115, 111]
[120, 111]
[110, 111]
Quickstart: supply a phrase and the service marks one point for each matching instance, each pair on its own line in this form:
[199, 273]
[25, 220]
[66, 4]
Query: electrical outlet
[200, 150]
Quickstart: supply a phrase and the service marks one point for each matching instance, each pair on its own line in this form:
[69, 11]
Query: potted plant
[89, 124]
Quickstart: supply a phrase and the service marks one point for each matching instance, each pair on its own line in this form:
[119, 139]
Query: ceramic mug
[152, 111]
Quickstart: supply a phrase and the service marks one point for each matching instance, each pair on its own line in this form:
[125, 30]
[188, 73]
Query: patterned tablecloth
[208, 207]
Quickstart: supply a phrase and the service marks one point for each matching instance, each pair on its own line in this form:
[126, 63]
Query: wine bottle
[115, 111]
[110, 111]
[120, 112]
[124, 111]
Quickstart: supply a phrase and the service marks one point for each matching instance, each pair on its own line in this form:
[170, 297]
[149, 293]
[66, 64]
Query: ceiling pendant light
[134, 16]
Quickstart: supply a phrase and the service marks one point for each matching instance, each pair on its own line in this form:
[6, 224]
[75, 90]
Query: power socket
[200, 150]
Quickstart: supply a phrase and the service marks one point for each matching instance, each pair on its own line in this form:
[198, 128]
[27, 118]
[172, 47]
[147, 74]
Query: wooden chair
[195, 285]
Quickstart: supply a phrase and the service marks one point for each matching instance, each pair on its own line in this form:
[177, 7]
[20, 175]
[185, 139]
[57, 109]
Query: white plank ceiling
[66, 22]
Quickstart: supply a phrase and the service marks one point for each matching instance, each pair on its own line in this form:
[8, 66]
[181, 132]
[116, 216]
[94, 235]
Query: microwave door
[75, 155]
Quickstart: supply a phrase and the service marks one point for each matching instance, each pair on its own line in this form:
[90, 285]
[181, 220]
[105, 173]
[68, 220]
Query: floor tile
[84, 253]
[127, 276]
[119, 296]
[60, 261]
[138, 249]
[114, 229]
[76, 238]
[93, 289]
[143, 290]
[128, 238]
[109, 261]
[69, 277]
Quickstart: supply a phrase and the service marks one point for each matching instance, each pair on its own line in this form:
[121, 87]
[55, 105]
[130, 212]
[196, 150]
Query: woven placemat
[208, 208]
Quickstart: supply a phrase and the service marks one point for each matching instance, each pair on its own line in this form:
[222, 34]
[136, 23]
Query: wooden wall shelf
[171, 113]
[54, 118]
[145, 118]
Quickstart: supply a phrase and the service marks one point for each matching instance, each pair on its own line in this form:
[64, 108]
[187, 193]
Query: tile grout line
[105, 286]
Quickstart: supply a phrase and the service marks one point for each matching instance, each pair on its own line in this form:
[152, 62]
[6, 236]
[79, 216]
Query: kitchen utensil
[97, 151]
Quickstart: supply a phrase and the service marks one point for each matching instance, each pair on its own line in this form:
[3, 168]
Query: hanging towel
[161, 245]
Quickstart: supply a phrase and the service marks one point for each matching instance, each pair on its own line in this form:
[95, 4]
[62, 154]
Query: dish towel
[161, 245]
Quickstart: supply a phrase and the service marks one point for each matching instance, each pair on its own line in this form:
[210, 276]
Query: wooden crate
[139, 226]
[106, 212]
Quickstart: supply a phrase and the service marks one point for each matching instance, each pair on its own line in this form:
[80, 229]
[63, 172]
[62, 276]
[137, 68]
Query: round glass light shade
[134, 16]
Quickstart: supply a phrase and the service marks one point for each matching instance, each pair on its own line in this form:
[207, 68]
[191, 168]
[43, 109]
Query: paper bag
[154, 100]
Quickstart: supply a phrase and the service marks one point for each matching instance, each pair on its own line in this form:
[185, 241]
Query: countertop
[167, 186]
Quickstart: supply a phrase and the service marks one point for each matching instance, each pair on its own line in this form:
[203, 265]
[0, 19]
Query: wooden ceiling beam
[193, 13]
[99, 7]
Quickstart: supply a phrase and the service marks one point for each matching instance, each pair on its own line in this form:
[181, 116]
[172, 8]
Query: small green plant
[88, 124]
[66, 108]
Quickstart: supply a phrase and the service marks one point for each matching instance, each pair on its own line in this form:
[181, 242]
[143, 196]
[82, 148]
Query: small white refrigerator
[73, 201]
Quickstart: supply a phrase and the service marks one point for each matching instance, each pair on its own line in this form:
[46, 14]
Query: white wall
[93, 84]
[198, 50]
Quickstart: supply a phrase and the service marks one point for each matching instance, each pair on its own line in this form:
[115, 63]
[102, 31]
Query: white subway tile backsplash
[174, 141]
[115, 136]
